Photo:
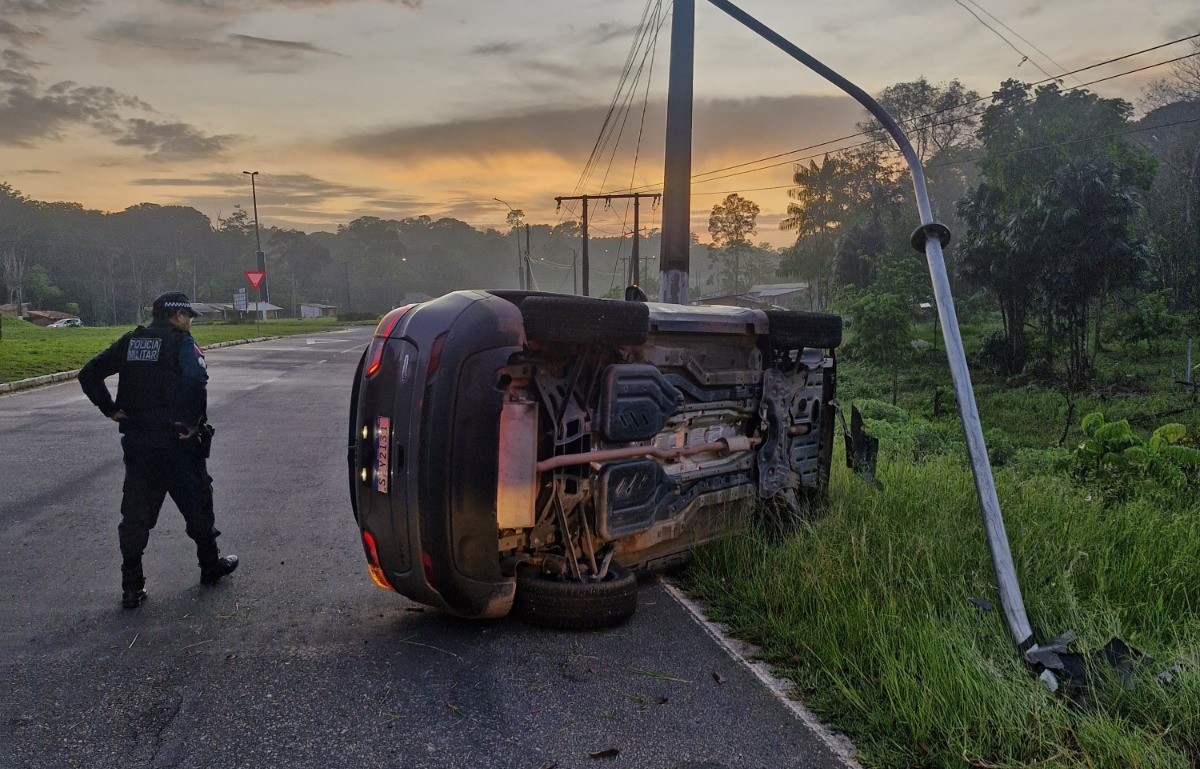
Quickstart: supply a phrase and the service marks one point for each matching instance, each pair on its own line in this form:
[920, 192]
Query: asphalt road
[297, 660]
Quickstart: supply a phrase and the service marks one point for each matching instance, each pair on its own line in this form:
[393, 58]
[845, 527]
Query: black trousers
[157, 465]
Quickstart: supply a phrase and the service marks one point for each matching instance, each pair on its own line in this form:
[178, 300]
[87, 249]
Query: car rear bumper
[427, 439]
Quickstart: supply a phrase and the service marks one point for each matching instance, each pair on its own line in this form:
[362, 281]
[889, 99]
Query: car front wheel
[567, 604]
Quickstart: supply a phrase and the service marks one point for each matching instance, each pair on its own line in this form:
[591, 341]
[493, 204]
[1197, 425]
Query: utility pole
[677, 171]
[607, 198]
[528, 266]
[264, 293]
[515, 215]
[574, 271]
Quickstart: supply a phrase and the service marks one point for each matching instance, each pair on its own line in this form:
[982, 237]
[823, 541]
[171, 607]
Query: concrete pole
[677, 195]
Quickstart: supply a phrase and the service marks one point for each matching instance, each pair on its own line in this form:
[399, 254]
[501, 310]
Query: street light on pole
[515, 215]
[264, 293]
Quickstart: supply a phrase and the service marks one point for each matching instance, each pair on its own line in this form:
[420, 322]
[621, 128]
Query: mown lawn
[27, 350]
[868, 606]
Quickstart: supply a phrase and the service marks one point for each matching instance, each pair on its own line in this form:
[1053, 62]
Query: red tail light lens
[382, 332]
[375, 356]
[435, 354]
[389, 321]
[427, 564]
[373, 567]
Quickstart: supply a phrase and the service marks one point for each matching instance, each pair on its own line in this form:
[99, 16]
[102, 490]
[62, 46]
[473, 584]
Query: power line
[1002, 37]
[695, 177]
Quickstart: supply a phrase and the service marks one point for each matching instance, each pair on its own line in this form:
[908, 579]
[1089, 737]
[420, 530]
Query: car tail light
[435, 354]
[382, 332]
[373, 567]
[427, 563]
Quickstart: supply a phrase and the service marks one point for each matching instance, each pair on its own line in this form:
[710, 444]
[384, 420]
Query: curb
[782, 689]
[63, 376]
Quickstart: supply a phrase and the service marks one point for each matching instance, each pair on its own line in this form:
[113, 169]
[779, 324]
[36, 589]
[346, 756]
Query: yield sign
[255, 277]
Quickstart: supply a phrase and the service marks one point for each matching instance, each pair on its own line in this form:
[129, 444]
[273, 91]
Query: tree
[823, 196]
[936, 118]
[1087, 248]
[730, 225]
[303, 259]
[1182, 85]
[1053, 214]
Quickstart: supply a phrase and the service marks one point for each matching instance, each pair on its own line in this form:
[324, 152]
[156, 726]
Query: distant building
[256, 309]
[45, 317]
[313, 310]
[214, 310]
[735, 300]
[792, 296]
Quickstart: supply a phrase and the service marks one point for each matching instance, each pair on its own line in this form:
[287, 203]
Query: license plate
[383, 442]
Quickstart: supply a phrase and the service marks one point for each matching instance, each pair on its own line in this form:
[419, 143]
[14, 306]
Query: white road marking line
[780, 687]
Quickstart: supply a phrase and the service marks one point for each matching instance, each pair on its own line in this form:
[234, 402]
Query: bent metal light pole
[931, 237]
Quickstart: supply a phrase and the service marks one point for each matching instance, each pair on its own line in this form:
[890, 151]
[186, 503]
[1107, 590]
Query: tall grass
[868, 610]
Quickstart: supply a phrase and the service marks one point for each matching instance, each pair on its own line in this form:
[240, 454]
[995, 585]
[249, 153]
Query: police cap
[171, 302]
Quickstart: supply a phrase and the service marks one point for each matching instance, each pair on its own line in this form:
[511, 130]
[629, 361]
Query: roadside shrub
[1000, 447]
[1121, 463]
[880, 411]
[350, 317]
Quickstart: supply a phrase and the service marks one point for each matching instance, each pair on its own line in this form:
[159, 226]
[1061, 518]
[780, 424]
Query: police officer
[160, 407]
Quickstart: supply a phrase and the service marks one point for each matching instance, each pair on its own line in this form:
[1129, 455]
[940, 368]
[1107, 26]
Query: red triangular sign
[255, 277]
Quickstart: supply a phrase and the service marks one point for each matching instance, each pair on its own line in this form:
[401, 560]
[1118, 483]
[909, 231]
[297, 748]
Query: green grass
[867, 610]
[27, 350]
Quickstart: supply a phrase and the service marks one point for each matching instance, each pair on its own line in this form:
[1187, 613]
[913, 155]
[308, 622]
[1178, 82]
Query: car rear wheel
[795, 328]
[569, 605]
[583, 320]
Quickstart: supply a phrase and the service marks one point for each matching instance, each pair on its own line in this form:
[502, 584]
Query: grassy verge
[28, 350]
[868, 610]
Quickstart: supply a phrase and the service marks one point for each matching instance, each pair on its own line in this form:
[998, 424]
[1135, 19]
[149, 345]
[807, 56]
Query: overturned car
[528, 451]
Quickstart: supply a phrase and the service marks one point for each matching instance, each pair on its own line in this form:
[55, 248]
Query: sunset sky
[396, 109]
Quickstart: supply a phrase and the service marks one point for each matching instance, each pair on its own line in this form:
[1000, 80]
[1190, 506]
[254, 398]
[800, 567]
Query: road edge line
[780, 688]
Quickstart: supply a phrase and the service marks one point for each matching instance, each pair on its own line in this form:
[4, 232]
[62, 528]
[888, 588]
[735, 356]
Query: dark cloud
[496, 49]
[722, 126]
[293, 188]
[29, 113]
[281, 46]
[172, 141]
[16, 69]
[293, 199]
[611, 31]
[44, 7]
[18, 36]
[244, 7]
[35, 172]
[192, 41]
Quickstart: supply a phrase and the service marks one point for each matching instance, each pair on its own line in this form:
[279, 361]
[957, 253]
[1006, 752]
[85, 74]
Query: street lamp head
[250, 173]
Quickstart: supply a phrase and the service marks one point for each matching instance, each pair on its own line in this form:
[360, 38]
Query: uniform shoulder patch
[200, 356]
[144, 349]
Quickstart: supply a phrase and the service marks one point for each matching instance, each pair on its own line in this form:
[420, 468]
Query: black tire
[569, 605]
[794, 328]
[517, 296]
[585, 321]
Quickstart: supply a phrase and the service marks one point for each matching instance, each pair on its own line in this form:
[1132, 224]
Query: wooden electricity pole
[636, 196]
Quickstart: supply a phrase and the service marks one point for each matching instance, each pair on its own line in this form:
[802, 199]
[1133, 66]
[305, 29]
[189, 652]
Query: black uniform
[162, 391]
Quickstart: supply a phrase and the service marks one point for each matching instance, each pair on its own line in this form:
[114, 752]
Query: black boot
[222, 567]
[131, 598]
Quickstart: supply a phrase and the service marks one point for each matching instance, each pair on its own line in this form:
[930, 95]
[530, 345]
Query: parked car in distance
[526, 451]
[66, 323]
